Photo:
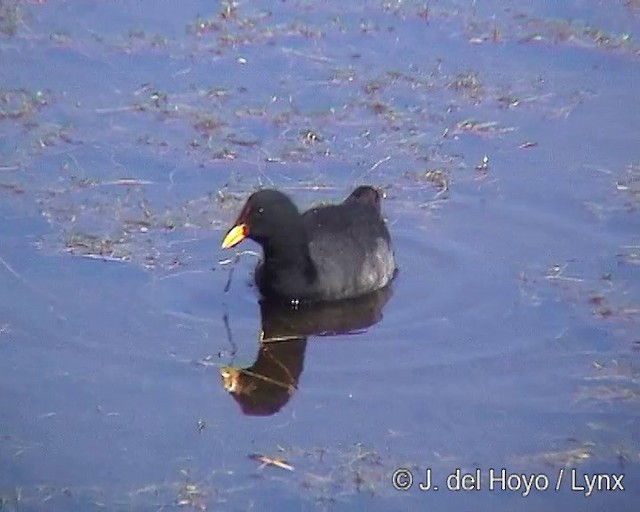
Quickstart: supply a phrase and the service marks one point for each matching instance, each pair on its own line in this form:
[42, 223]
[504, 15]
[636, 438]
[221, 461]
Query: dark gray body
[347, 252]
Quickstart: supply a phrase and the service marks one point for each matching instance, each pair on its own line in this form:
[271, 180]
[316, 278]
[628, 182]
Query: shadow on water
[266, 386]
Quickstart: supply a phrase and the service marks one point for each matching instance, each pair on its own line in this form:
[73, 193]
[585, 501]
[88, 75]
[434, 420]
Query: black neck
[290, 251]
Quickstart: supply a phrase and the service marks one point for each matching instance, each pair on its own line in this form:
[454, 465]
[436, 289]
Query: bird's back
[350, 247]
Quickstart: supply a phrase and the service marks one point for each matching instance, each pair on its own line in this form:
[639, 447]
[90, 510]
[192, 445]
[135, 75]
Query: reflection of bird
[329, 252]
[282, 322]
[266, 386]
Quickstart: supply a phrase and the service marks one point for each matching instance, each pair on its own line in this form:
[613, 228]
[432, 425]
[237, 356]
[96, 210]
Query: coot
[331, 252]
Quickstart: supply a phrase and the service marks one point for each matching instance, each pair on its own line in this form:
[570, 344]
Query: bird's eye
[260, 210]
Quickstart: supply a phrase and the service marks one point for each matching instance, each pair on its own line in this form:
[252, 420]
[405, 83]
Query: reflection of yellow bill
[235, 235]
[230, 378]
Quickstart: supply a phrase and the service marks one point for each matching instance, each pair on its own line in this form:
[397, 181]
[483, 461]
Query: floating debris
[265, 460]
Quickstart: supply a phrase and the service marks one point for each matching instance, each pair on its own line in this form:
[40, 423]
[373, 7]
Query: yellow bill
[235, 235]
